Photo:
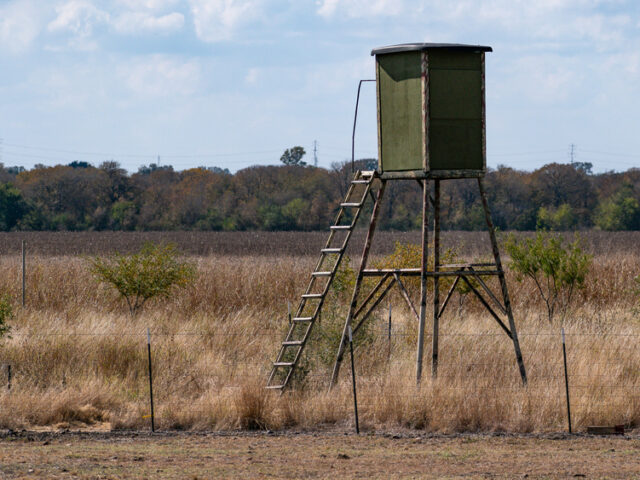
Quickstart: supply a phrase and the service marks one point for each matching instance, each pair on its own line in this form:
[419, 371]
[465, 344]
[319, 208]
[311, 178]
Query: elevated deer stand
[431, 128]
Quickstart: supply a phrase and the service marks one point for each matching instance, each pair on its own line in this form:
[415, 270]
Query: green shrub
[6, 313]
[557, 271]
[152, 272]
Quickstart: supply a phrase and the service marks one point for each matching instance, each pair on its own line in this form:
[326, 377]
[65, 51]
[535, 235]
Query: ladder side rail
[359, 278]
[291, 337]
[328, 285]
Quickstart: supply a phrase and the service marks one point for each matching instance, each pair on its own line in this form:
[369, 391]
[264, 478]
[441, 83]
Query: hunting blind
[431, 128]
[430, 110]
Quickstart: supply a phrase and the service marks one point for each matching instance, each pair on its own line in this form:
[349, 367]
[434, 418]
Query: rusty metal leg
[503, 282]
[356, 288]
[423, 278]
[436, 284]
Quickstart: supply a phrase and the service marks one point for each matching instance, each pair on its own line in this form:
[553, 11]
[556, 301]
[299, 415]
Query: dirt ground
[314, 455]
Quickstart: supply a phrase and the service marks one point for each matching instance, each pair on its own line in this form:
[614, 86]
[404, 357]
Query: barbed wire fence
[601, 388]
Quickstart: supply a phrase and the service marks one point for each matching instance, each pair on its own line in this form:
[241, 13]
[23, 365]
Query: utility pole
[315, 153]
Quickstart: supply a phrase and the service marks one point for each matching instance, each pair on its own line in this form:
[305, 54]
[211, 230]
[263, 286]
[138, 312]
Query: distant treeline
[80, 196]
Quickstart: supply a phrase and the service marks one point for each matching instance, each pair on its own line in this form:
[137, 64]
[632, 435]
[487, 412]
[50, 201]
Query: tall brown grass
[78, 358]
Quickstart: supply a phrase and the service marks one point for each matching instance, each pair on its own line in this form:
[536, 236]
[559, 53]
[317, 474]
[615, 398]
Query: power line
[133, 155]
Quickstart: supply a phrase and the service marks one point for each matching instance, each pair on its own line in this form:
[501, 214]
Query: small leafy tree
[293, 156]
[152, 272]
[556, 270]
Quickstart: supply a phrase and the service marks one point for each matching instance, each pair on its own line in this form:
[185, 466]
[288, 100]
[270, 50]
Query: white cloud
[252, 76]
[19, 26]
[154, 5]
[217, 20]
[162, 76]
[77, 17]
[141, 22]
[360, 8]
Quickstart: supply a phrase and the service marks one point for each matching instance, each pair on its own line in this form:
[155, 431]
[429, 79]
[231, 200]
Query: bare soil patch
[326, 455]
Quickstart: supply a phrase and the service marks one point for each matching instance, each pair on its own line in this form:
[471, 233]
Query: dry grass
[78, 358]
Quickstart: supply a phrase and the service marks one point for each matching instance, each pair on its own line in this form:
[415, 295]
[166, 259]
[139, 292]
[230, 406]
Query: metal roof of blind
[409, 47]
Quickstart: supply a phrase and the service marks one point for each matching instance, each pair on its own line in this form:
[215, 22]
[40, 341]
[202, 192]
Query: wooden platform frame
[359, 312]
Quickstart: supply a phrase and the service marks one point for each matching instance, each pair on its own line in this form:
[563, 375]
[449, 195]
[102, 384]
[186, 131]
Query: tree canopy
[287, 197]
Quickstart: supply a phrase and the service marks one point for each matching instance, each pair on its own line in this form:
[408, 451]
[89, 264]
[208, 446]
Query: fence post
[24, 254]
[566, 380]
[8, 376]
[353, 381]
[153, 427]
[389, 335]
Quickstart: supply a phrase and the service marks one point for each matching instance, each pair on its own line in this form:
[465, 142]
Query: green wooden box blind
[431, 116]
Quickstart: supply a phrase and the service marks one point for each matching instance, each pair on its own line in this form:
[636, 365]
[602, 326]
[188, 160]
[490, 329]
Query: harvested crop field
[316, 456]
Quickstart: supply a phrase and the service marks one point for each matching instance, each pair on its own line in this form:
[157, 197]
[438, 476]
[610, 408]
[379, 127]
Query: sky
[233, 83]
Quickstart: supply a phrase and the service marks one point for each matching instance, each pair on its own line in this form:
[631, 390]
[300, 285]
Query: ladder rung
[302, 319]
[340, 227]
[312, 295]
[351, 204]
[321, 274]
[358, 182]
[283, 364]
[292, 343]
[275, 387]
[331, 250]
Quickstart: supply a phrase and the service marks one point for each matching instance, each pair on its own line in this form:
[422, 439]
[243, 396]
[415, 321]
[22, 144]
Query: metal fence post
[353, 381]
[153, 427]
[24, 253]
[566, 380]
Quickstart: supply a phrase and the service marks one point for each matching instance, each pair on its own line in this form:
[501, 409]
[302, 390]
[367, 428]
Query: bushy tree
[293, 156]
[153, 272]
[561, 218]
[13, 207]
[556, 270]
[619, 212]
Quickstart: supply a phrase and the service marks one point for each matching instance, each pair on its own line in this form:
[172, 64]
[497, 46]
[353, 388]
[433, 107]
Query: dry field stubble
[79, 359]
[179, 456]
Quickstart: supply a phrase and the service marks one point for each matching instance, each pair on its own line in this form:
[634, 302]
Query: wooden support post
[503, 282]
[436, 284]
[356, 288]
[423, 279]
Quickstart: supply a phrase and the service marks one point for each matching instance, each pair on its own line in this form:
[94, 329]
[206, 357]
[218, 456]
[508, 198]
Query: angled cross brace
[405, 295]
[486, 305]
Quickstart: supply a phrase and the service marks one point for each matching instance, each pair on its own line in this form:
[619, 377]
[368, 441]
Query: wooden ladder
[313, 298]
